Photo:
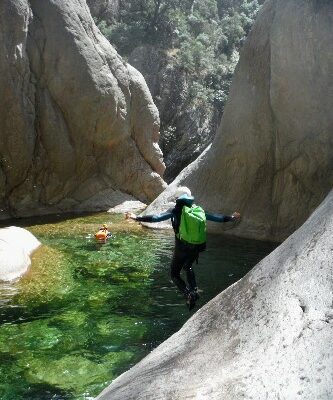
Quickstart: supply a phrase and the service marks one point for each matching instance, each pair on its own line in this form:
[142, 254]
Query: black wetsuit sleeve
[219, 217]
[155, 218]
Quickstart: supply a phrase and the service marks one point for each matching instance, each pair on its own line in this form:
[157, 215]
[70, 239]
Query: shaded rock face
[76, 120]
[272, 157]
[186, 128]
[104, 9]
[269, 334]
[16, 247]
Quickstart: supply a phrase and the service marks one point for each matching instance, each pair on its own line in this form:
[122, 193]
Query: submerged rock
[16, 247]
[76, 119]
[269, 334]
[272, 158]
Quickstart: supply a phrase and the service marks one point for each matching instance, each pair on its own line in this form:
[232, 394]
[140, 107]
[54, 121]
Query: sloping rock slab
[16, 247]
[269, 336]
[128, 205]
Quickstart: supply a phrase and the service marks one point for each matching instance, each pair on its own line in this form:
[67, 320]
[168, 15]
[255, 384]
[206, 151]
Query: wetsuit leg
[192, 284]
[183, 257]
[177, 263]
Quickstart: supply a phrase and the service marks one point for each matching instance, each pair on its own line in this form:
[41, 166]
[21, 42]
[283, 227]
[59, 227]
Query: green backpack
[192, 228]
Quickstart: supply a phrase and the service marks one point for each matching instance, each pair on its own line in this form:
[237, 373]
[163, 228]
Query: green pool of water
[86, 312]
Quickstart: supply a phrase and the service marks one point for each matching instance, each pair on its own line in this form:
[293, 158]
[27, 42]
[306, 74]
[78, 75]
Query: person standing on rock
[189, 224]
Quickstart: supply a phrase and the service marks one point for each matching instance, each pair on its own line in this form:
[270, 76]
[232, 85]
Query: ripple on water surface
[86, 312]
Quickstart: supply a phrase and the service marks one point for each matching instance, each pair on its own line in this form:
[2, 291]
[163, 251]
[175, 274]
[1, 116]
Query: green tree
[207, 33]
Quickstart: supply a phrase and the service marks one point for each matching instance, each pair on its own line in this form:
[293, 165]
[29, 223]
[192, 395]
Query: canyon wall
[79, 128]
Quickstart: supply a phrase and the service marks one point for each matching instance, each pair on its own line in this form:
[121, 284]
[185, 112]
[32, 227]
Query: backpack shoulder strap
[176, 217]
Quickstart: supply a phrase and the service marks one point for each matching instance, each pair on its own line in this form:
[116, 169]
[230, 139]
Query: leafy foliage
[207, 33]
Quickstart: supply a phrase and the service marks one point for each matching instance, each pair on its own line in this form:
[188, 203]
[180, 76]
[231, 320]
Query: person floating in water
[189, 225]
[103, 234]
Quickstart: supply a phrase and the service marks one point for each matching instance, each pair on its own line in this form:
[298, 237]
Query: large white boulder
[16, 247]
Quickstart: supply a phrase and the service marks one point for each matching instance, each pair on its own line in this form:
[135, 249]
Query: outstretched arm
[150, 218]
[223, 218]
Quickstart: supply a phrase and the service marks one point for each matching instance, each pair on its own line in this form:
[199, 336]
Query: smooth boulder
[16, 247]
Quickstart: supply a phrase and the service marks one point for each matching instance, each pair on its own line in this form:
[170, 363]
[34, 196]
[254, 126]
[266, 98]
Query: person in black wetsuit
[184, 253]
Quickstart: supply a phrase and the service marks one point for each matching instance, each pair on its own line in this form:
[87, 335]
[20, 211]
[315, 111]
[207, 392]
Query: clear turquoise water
[86, 312]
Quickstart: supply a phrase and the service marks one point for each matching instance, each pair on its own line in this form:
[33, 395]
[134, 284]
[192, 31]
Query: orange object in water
[102, 235]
